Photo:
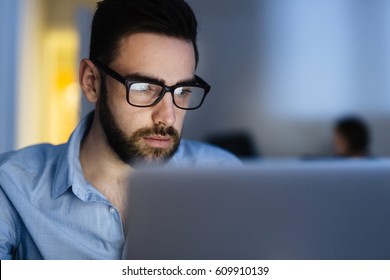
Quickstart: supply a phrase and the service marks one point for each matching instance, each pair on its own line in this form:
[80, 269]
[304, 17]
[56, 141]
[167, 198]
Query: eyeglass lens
[145, 94]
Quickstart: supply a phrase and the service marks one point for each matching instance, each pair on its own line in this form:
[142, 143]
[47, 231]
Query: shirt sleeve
[8, 227]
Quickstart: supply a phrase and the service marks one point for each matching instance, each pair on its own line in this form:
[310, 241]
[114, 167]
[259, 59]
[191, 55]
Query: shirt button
[112, 210]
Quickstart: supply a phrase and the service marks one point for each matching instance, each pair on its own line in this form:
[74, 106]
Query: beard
[132, 149]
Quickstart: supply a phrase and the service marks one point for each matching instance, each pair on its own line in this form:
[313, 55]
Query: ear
[89, 78]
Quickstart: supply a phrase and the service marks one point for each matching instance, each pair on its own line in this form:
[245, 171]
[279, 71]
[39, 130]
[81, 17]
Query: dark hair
[115, 19]
[355, 132]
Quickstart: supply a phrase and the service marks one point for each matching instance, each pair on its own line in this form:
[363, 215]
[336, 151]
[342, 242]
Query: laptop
[278, 210]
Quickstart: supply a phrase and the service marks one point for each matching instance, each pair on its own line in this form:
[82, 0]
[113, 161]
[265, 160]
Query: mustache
[157, 130]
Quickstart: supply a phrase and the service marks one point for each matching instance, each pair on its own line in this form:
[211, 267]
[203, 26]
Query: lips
[158, 141]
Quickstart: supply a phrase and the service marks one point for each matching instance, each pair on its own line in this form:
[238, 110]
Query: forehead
[160, 56]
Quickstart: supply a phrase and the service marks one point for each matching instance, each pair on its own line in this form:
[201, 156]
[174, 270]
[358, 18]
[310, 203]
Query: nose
[164, 111]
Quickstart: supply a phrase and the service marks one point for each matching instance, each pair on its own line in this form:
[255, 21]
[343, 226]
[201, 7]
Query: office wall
[9, 26]
[288, 69]
[229, 48]
[47, 76]
[31, 104]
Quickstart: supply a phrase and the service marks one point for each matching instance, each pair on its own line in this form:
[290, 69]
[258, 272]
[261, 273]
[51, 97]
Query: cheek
[134, 119]
[128, 118]
[116, 99]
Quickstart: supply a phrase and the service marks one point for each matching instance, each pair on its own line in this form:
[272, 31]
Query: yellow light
[61, 86]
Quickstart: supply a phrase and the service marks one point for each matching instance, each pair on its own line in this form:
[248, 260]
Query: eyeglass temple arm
[203, 83]
[110, 72]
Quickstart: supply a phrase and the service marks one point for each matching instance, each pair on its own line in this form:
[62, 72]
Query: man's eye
[183, 91]
[141, 87]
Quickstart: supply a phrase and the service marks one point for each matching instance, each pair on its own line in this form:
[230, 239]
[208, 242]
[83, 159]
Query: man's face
[340, 144]
[149, 134]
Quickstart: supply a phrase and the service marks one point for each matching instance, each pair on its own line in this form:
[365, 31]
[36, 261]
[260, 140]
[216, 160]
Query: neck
[103, 169]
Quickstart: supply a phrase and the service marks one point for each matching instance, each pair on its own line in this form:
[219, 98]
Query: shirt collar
[68, 170]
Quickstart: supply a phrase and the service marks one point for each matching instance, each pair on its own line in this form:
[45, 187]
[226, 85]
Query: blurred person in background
[69, 201]
[351, 137]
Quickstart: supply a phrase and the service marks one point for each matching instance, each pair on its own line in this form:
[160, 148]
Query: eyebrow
[144, 77]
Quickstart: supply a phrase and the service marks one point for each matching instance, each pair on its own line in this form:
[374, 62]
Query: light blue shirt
[48, 210]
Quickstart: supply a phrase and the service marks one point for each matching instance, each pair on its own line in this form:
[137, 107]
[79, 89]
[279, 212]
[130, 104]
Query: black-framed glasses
[143, 92]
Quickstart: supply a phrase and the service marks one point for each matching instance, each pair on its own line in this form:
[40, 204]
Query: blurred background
[282, 72]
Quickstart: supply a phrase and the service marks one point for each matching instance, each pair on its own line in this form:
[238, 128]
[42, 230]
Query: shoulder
[199, 153]
[28, 164]
[31, 157]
